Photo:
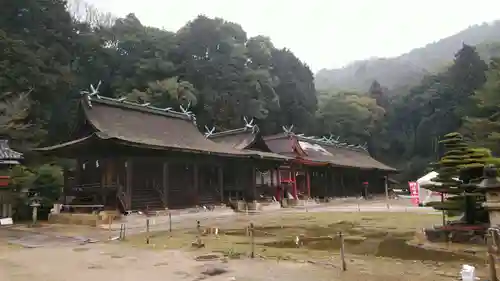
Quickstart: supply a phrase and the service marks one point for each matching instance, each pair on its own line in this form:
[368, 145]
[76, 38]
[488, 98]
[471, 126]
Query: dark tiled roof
[142, 125]
[320, 151]
[7, 154]
[242, 139]
[146, 126]
[238, 138]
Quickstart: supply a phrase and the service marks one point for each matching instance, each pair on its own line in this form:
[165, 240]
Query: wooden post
[196, 184]
[308, 183]
[220, 179]
[147, 230]
[342, 251]
[124, 231]
[121, 232]
[110, 220]
[386, 182]
[342, 183]
[254, 182]
[294, 183]
[165, 183]
[129, 180]
[271, 172]
[331, 183]
[252, 241]
[169, 221]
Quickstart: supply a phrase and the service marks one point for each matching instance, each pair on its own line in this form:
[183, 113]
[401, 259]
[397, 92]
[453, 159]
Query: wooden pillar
[278, 185]
[342, 183]
[129, 181]
[165, 183]
[271, 173]
[101, 167]
[325, 176]
[333, 192]
[294, 182]
[254, 181]
[220, 181]
[386, 186]
[308, 183]
[196, 188]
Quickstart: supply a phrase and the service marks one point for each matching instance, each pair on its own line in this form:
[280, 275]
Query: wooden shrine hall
[136, 157]
[321, 167]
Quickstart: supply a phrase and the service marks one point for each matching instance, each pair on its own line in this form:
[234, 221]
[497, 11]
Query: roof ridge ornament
[209, 132]
[330, 140]
[288, 130]
[94, 91]
[186, 111]
[248, 124]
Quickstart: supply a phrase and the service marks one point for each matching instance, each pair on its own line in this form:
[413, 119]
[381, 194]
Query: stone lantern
[490, 185]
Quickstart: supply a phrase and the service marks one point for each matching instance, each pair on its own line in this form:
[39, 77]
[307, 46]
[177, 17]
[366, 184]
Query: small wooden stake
[170, 221]
[120, 237]
[124, 234]
[109, 227]
[147, 231]
[252, 241]
[342, 251]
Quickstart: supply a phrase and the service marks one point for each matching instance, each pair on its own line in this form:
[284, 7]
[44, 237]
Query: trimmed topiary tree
[459, 171]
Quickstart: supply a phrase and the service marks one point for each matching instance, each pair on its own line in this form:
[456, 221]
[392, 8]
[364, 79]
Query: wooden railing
[160, 192]
[121, 195]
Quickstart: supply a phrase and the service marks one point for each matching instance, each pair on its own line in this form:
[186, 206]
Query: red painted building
[319, 167]
[8, 157]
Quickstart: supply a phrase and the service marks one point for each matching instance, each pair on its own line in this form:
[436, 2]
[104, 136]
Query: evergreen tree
[459, 171]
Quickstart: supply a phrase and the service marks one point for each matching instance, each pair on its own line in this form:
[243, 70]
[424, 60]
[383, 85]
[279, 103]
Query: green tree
[296, 92]
[483, 125]
[350, 116]
[459, 171]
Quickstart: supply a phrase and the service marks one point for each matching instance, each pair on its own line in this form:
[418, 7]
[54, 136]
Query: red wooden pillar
[294, 184]
[308, 183]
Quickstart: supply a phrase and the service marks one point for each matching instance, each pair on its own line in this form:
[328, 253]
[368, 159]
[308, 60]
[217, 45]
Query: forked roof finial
[288, 130]
[209, 132]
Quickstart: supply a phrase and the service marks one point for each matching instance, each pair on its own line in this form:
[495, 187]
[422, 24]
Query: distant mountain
[409, 68]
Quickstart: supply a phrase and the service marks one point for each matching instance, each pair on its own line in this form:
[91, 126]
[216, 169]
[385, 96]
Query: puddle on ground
[389, 247]
[400, 249]
[263, 231]
[357, 240]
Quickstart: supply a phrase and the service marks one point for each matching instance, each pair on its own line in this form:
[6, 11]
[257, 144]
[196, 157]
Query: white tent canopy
[427, 179]
[425, 195]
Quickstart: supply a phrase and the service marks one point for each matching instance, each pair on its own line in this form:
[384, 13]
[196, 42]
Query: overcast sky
[323, 33]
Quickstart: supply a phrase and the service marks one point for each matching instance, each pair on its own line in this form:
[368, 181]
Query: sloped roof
[237, 138]
[146, 126]
[243, 139]
[320, 151]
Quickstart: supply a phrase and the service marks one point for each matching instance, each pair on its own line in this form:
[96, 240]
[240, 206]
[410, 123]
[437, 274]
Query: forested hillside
[409, 68]
[50, 55]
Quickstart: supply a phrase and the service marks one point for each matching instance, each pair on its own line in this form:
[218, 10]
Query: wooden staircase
[146, 198]
[208, 198]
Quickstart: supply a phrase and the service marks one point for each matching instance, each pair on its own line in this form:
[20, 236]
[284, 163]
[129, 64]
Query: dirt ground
[378, 246]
